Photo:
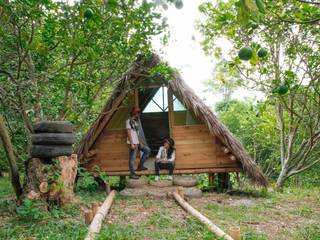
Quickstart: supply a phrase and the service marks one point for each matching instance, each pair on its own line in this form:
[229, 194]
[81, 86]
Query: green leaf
[254, 59]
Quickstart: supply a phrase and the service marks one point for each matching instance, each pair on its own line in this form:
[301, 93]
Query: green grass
[294, 214]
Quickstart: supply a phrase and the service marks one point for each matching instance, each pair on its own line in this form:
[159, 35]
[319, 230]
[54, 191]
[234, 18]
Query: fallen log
[215, 229]
[96, 223]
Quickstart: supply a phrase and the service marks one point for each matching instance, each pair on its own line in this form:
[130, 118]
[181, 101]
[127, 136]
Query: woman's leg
[156, 168]
[171, 167]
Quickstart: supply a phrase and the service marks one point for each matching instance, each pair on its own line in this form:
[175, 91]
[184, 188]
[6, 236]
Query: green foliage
[161, 73]
[31, 210]
[310, 232]
[86, 181]
[286, 75]
[65, 59]
[256, 127]
[102, 174]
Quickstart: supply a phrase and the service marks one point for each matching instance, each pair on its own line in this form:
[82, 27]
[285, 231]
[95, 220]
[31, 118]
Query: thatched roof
[139, 72]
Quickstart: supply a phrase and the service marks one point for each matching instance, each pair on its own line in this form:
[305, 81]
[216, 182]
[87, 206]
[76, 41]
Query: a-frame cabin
[203, 143]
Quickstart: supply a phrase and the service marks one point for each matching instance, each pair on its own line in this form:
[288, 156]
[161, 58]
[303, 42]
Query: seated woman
[165, 158]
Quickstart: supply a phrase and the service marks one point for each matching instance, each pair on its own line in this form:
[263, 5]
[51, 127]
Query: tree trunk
[281, 179]
[59, 179]
[14, 174]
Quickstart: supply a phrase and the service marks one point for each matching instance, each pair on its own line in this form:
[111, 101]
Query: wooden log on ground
[215, 229]
[96, 223]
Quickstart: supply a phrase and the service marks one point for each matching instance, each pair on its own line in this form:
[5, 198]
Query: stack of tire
[189, 184]
[52, 139]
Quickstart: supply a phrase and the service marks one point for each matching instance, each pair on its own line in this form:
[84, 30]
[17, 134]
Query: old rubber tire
[185, 181]
[161, 184]
[157, 193]
[53, 127]
[133, 192]
[50, 151]
[53, 138]
[136, 183]
[192, 192]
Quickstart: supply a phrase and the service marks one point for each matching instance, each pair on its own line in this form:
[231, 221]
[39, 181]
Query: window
[159, 102]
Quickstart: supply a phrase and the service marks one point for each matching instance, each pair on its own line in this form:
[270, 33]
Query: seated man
[165, 158]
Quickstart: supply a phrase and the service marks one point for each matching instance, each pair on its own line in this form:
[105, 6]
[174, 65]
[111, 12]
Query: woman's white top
[162, 154]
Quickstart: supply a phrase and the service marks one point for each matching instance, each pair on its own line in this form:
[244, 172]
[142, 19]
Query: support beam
[212, 227]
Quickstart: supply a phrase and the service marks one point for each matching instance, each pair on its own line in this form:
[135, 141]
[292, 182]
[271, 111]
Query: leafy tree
[288, 74]
[255, 126]
[59, 61]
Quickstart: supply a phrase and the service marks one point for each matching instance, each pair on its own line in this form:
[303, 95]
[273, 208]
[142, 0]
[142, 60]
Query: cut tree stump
[214, 228]
[39, 184]
[69, 168]
[96, 223]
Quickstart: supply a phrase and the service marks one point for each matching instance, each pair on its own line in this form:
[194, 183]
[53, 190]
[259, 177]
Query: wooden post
[88, 216]
[96, 223]
[235, 233]
[214, 228]
[95, 207]
[108, 188]
[211, 178]
[171, 111]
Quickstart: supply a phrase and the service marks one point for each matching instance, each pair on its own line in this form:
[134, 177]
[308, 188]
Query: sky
[184, 52]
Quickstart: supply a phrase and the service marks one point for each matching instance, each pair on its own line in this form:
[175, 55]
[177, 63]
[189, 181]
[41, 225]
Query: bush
[86, 181]
[31, 210]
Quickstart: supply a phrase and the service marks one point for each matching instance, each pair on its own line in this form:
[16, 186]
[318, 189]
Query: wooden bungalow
[203, 143]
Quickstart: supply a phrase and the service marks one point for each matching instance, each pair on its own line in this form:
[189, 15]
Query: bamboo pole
[215, 229]
[96, 223]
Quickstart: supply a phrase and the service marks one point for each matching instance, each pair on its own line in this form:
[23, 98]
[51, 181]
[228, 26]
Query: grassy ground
[294, 214]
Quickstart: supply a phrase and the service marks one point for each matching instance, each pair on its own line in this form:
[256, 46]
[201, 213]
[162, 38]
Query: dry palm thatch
[216, 128]
[137, 73]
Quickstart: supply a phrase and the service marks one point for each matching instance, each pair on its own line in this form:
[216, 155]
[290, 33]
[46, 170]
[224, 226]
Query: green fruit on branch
[178, 4]
[88, 13]
[283, 89]
[262, 52]
[245, 53]
[280, 89]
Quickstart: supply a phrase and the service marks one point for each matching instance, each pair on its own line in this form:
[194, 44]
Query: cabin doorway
[155, 117]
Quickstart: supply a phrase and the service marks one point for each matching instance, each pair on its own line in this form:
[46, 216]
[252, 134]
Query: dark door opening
[156, 129]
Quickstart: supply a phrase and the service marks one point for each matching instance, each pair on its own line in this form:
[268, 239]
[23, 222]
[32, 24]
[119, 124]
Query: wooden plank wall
[112, 152]
[196, 148]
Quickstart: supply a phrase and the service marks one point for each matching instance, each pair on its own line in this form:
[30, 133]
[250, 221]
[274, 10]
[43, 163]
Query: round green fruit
[283, 89]
[262, 52]
[178, 4]
[245, 53]
[88, 13]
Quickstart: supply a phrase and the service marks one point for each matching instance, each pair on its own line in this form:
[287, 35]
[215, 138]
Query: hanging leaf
[254, 59]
